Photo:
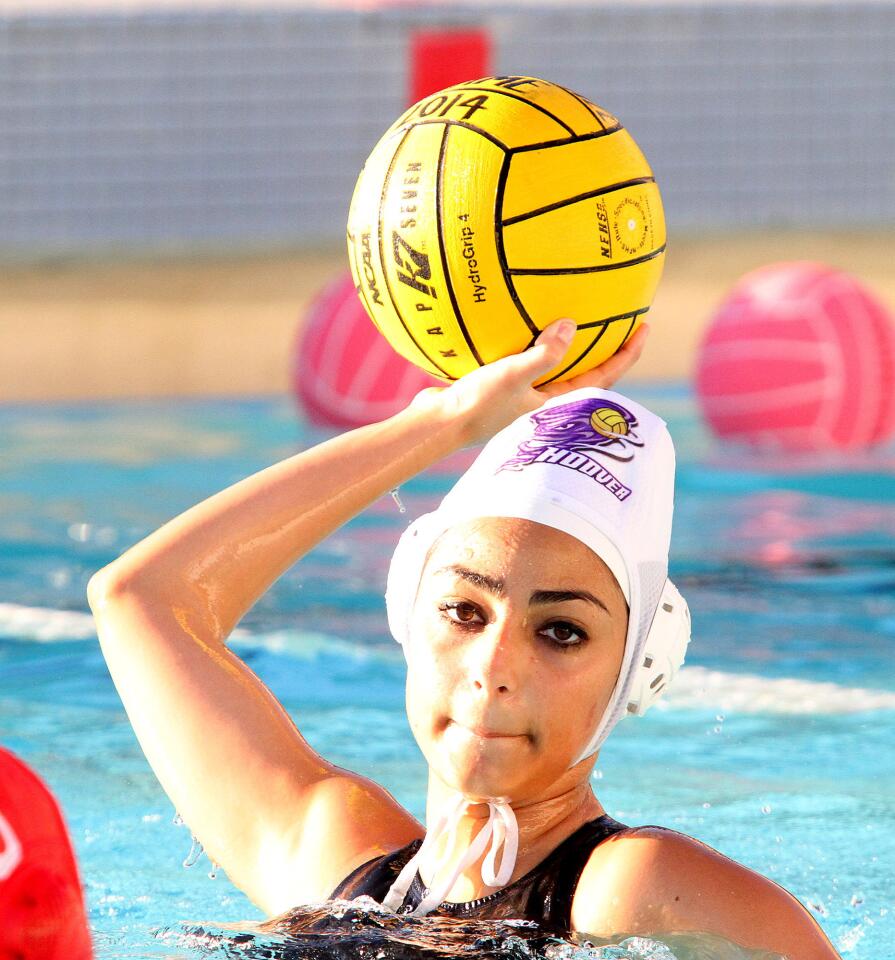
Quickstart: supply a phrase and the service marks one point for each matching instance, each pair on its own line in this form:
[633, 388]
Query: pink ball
[800, 356]
[344, 372]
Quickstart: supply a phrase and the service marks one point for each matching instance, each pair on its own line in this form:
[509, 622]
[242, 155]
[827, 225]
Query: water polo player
[534, 611]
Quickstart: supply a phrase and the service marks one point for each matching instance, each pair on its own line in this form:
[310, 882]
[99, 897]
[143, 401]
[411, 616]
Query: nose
[493, 664]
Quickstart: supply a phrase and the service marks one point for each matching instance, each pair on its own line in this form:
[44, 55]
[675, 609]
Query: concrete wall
[240, 128]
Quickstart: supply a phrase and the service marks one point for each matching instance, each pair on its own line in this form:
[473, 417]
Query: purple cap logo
[566, 434]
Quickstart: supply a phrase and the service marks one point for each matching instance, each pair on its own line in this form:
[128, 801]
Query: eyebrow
[497, 587]
[482, 580]
[558, 596]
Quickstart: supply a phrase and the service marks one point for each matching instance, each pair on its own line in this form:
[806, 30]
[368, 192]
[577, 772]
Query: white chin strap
[501, 829]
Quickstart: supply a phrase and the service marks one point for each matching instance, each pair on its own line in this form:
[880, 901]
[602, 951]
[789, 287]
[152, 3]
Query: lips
[485, 733]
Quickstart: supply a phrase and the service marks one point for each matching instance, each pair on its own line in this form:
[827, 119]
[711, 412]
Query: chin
[485, 770]
[479, 785]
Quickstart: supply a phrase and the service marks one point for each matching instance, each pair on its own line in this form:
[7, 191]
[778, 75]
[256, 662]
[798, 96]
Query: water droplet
[818, 907]
[397, 499]
[766, 808]
[717, 729]
[720, 718]
[196, 851]
[597, 775]
[857, 899]
[213, 872]
[706, 805]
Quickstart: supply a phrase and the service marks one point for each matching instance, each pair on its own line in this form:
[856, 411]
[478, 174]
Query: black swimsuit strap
[544, 894]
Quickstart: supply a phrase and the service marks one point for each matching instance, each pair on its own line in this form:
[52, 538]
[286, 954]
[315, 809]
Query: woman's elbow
[110, 583]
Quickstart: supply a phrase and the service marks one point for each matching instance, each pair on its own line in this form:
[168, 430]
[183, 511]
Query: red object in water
[42, 915]
[441, 58]
[344, 372]
[800, 356]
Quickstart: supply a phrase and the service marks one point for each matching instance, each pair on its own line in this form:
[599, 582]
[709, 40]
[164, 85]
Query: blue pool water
[776, 745]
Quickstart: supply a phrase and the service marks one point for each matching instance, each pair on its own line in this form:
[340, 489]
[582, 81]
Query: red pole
[441, 58]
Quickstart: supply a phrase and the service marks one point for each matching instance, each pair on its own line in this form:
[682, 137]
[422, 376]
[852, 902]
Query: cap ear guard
[663, 652]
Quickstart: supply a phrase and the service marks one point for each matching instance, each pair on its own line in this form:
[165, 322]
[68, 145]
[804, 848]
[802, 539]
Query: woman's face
[517, 636]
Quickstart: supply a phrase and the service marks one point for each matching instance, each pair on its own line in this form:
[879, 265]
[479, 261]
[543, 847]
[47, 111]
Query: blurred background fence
[153, 129]
[246, 127]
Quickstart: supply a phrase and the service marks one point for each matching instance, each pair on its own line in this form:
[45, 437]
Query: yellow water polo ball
[609, 423]
[495, 207]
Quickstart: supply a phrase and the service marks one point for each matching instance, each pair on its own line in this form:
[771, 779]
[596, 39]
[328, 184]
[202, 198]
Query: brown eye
[460, 612]
[563, 634]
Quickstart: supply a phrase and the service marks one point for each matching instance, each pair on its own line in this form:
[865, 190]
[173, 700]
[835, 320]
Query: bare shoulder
[649, 880]
[345, 821]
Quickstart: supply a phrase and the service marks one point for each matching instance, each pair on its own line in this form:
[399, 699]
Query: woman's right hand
[493, 396]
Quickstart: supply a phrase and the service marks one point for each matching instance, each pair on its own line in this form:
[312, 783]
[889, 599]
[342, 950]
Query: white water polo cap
[600, 468]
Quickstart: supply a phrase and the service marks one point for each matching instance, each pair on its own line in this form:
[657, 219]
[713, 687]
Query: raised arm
[284, 823]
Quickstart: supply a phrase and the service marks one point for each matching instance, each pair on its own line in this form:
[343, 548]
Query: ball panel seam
[599, 115]
[459, 123]
[439, 221]
[501, 253]
[590, 194]
[578, 138]
[621, 316]
[559, 375]
[598, 268]
[528, 103]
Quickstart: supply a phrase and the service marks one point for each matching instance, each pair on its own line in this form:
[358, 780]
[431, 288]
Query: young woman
[525, 605]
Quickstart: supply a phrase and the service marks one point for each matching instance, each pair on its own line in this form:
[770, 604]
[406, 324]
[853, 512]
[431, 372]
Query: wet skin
[518, 632]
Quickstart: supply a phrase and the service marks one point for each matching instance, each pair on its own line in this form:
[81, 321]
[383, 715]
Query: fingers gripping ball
[800, 356]
[491, 209]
